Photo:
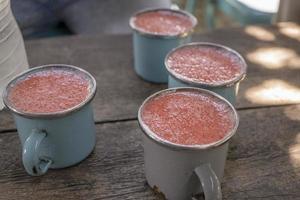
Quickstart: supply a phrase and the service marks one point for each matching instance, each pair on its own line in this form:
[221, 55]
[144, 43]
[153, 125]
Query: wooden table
[264, 157]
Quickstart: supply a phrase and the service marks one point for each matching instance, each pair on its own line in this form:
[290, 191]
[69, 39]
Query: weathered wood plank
[245, 40]
[111, 171]
[109, 59]
[282, 39]
[263, 163]
[122, 101]
[6, 121]
[120, 90]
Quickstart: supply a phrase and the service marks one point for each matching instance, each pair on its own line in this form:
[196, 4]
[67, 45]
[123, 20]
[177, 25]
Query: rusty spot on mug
[199, 196]
[158, 194]
[34, 170]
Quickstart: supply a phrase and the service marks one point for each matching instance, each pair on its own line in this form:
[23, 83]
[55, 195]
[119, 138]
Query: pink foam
[163, 22]
[49, 91]
[189, 118]
[205, 64]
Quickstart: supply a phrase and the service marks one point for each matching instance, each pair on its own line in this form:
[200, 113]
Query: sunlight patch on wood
[290, 30]
[275, 57]
[273, 91]
[294, 152]
[293, 112]
[260, 33]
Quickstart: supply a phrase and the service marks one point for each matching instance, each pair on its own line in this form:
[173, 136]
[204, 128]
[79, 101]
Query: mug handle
[33, 163]
[209, 181]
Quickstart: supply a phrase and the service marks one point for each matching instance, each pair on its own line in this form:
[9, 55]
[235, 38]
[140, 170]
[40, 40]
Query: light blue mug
[149, 50]
[55, 140]
[227, 89]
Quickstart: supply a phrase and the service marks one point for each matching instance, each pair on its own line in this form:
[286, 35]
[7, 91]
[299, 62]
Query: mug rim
[163, 142]
[92, 92]
[227, 83]
[163, 36]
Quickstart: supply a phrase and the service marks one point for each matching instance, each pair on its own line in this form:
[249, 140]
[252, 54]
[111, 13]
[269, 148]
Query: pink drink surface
[49, 91]
[205, 64]
[163, 22]
[188, 118]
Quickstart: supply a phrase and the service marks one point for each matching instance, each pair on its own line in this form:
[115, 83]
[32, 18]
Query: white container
[178, 172]
[13, 59]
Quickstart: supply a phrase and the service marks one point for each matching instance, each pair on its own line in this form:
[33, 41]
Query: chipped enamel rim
[92, 91]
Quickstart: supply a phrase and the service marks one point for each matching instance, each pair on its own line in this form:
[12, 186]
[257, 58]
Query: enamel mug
[180, 172]
[54, 140]
[227, 89]
[149, 50]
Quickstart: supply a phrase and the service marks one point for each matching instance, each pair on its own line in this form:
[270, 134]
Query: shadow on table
[270, 52]
[264, 156]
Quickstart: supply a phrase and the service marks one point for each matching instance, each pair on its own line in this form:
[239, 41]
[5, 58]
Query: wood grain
[263, 160]
[263, 163]
[121, 91]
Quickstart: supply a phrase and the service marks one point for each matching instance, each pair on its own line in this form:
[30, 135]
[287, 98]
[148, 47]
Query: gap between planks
[96, 122]
[108, 121]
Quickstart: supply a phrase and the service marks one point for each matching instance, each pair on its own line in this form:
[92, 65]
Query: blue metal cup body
[57, 139]
[227, 89]
[228, 92]
[150, 49]
[149, 55]
[69, 139]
